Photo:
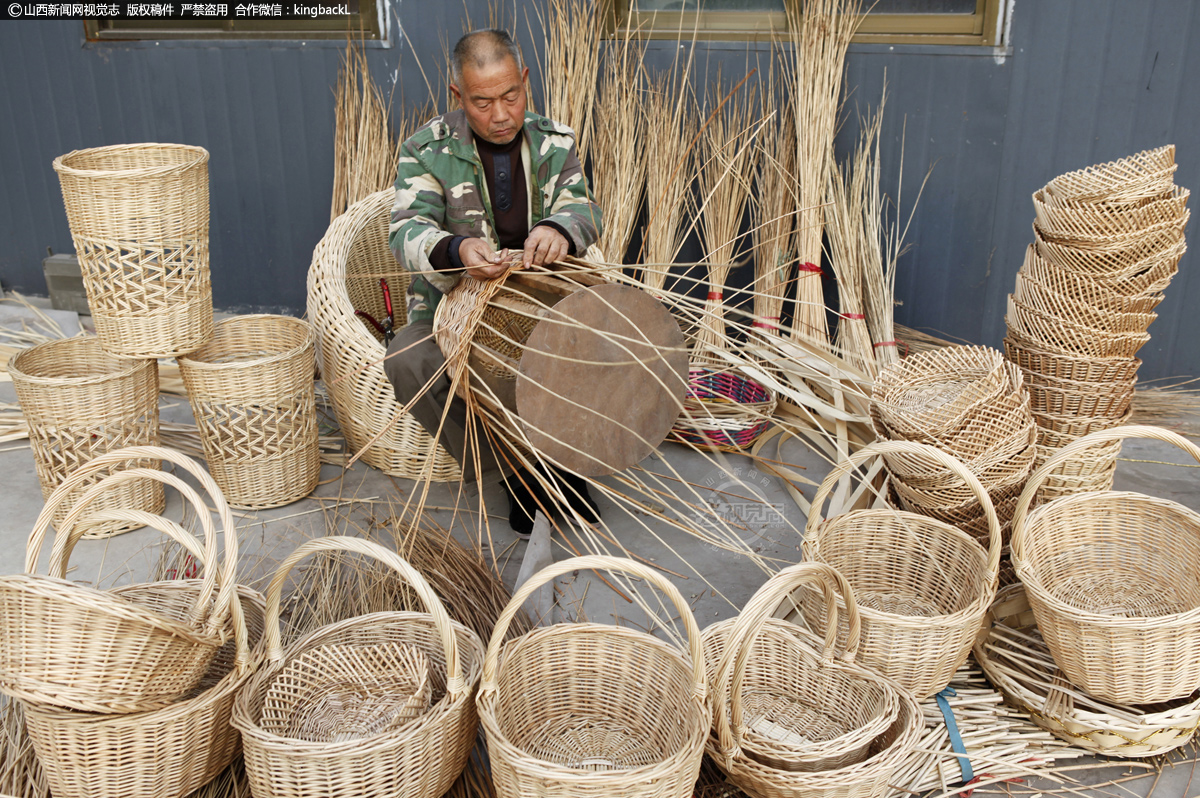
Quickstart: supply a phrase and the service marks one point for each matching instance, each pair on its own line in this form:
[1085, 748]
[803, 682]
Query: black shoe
[522, 488]
[580, 505]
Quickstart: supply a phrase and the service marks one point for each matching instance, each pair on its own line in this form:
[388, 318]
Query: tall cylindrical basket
[139, 218]
[81, 402]
[251, 391]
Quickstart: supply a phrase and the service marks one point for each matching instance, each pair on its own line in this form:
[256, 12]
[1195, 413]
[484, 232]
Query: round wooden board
[602, 379]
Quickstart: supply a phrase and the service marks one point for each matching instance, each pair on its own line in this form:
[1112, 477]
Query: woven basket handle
[455, 686]
[815, 521]
[596, 562]
[1072, 450]
[731, 671]
[213, 614]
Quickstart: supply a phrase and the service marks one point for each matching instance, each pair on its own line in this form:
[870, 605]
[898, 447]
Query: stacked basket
[968, 402]
[1108, 241]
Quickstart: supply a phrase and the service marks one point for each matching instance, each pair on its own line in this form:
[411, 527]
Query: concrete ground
[715, 582]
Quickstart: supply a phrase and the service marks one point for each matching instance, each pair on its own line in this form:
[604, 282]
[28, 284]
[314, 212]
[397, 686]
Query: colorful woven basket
[724, 410]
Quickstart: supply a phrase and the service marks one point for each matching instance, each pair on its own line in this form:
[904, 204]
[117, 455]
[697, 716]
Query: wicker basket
[723, 410]
[782, 700]
[1068, 337]
[1091, 291]
[1069, 221]
[165, 753]
[421, 758]
[922, 586]
[80, 648]
[1108, 319]
[139, 218]
[251, 391]
[1082, 399]
[346, 268]
[79, 402]
[1111, 577]
[931, 393]
[1131, 180]
[1138, 266]
[1017, 661]
[590, 710]
[1033, 360]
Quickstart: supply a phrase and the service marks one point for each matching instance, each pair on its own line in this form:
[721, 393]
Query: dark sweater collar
[496, 149]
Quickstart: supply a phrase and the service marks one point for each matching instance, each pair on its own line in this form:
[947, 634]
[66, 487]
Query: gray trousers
[414, 357]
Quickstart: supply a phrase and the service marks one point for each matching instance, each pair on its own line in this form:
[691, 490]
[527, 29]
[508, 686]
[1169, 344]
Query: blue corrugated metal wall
[1085, 81]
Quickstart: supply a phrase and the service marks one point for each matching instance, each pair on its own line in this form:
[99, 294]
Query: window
[263, 21]
[890, 21]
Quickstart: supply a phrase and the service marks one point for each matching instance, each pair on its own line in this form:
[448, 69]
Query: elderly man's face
[493, 98]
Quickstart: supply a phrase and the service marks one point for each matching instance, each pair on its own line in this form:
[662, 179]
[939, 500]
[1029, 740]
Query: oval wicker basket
[1094, 292]
[922, 585]
[1061, 218]
[346, 268]
[582, 710]
[782, 700]
[932, 393]
[76, 647]
[1037, 296]
[1130, 180]
[139, 219]
[80, 401]
[1058, 334]
[252, 394]
[1017, 662]
[1138, 266]
[1035, 360]
[418, 759]
[1111, 577]
[164, 753]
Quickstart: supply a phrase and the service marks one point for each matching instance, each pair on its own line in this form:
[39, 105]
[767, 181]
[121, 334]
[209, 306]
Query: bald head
[481, 49]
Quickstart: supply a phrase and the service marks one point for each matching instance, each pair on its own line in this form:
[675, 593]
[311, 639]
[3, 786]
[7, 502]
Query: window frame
[983, 28]
[365, 22]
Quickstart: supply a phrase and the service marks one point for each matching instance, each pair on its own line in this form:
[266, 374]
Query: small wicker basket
[922, 585]
[1146, 267]
[76, 647]
[1131, 180]
[346, 268]
[417, 759]
[1017, 661]
[79, 402]
[164, 753]
[864, 725]
[139, 218]
[252, 394]
[723, 410]
[583, 710]
[1111, 577]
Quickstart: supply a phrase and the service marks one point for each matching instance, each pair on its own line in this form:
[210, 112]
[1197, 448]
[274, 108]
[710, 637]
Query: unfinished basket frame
[347, 265]
[164, 753]
[77, 647]
[139, 218]
[1017, 662]
[583, 709]
[1124, 625]
[252, 393]
[420, 759]
[79, 401]
[922, 585]
[805, 684]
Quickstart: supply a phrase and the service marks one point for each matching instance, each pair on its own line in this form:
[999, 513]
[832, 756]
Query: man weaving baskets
[476, 187]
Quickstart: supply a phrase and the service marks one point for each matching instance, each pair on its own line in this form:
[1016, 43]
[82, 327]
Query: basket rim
[124, 367]
[195, 360]
[63, 168]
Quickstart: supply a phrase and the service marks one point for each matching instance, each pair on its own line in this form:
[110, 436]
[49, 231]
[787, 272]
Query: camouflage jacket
[440, 192]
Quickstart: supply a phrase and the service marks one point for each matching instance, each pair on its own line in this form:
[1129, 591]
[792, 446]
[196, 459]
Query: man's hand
[545, 245]
[480, 260]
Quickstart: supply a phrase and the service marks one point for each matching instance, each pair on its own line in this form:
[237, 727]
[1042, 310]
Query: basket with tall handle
[418, 758]
[922, 585]
[1111, 576]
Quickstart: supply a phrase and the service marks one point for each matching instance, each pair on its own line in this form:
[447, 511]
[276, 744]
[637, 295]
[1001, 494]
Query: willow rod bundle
[853, 224]
[572, 30]
[365, 152]
[619, 147]
[727, 160]
[773, 221]
[671, 123]
[820, 33]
